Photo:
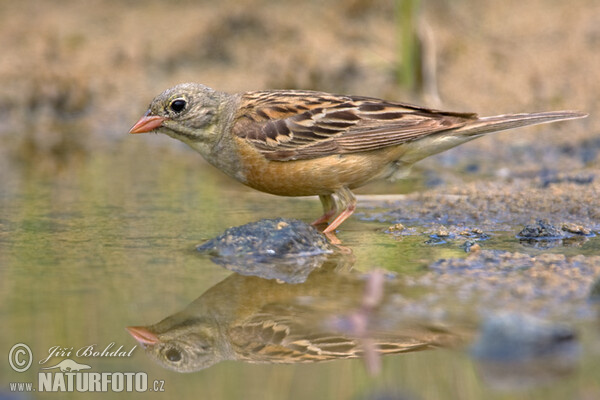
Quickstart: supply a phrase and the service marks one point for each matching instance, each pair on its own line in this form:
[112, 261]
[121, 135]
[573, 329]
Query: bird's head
[182, 349]
[187, 112]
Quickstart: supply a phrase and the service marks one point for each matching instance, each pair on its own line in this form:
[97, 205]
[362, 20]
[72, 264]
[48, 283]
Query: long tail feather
[501, 122]
[442, 141]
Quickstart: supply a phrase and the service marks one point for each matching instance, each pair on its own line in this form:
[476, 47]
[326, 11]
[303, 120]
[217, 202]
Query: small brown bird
[255, 320]
[304, 143]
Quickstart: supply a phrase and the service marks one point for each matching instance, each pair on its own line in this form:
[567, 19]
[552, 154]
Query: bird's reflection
[332, 315]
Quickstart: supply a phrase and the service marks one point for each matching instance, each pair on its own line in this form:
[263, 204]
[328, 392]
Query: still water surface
[91, 248]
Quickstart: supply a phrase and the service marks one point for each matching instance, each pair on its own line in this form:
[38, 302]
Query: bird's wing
[296, 125]
[275, 341]
[278, 335]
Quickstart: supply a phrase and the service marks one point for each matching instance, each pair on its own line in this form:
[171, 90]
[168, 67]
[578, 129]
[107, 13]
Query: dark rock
[541, 230]
[283, 249]
[543, 235]
[512, 337]
[470, 245]
[578, 180]
[517, 351]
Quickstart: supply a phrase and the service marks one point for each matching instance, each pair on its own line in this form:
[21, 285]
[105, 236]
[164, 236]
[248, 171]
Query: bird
[307, 143]
[255, 320]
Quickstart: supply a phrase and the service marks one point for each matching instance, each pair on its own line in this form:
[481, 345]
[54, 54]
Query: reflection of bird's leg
[347, 202]
[329, 209]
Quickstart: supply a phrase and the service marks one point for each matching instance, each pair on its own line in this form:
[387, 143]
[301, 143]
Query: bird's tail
[477, 127]
[496, 123]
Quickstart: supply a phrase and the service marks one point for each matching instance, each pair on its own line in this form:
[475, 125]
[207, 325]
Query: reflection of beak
[147, 123]
[142, 335]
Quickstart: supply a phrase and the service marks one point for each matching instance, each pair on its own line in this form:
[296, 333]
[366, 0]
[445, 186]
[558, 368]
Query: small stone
[396, 228]
[443, 232]
[282, 225]
[474, 248]
[577, 229]
[466, 246]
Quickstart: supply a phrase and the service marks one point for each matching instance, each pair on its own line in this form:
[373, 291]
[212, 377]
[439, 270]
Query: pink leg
[347, 200]
[329, 209]
[332, 238]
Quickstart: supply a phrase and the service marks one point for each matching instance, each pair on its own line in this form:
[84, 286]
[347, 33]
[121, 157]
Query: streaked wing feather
[295, 125]
[280, 338]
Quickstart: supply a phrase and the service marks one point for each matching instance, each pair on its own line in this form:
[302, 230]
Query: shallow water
[93, 247]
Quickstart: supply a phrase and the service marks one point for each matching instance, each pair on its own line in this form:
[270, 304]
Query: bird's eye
[178, 105]
[173, 355]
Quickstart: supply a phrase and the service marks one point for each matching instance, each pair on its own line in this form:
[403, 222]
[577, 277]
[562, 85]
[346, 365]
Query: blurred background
[77, 74]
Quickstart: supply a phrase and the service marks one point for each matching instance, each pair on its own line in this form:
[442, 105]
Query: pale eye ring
[178, 105]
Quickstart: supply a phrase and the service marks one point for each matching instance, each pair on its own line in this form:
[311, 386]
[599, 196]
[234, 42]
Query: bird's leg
[347, 201]
[332, 238]
[329, 209]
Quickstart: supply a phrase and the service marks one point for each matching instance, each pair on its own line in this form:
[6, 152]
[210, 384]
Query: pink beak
[143, 335]
[147, 124]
